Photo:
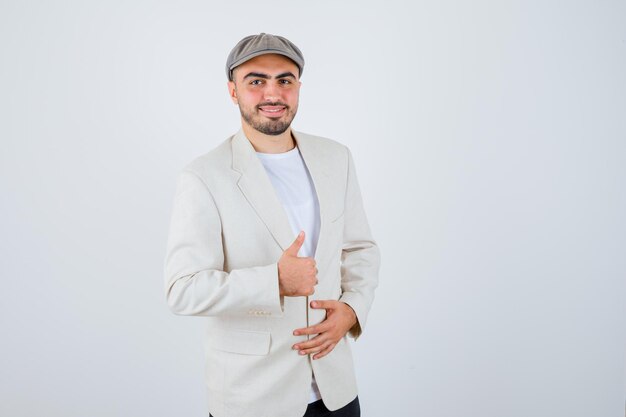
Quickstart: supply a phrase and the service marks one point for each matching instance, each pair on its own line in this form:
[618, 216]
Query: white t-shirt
[296, 192]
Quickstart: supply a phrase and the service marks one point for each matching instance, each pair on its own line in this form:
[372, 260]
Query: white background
[489, 139]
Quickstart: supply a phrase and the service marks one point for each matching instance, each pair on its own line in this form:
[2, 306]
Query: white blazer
[228, 230]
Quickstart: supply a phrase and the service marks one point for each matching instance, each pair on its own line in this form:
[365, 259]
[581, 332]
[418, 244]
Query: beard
[268, 126]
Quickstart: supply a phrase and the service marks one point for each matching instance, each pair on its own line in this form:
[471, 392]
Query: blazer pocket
[246, 342]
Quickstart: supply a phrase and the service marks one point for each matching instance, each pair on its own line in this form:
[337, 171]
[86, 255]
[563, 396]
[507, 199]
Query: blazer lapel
[259, 191]
[316, 163]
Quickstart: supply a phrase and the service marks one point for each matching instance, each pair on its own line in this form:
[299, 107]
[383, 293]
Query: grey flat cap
[263, 43]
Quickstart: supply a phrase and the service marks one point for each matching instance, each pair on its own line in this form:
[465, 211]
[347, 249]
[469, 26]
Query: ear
[232, 92]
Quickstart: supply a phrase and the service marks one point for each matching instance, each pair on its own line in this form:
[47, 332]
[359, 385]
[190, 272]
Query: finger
[295, 246]
[325, 351]
[316, 349]
[318, 328]
[315, 342]
[328, 304]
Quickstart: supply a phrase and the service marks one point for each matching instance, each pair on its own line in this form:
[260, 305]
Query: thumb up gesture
[297, 276]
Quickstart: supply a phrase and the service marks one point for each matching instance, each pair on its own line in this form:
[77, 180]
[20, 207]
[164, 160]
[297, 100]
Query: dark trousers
[318, 409]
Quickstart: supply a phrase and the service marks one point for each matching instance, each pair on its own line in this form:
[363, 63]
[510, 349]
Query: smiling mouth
[273, 111]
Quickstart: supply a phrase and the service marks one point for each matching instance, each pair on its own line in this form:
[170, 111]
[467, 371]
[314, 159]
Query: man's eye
[285, 81]
[254, 82]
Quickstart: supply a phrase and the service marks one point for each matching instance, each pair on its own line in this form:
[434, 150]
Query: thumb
[295, 246]
[325, 304]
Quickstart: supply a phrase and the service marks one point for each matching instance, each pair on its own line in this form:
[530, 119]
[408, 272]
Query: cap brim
[265, 52]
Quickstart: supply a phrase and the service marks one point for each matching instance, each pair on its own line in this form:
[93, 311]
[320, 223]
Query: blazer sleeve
[195, 282]
[360, 255]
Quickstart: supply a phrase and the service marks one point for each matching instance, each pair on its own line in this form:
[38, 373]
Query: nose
[271, 92]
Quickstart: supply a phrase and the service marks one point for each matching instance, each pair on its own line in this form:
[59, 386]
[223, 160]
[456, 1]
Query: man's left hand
[339, 319]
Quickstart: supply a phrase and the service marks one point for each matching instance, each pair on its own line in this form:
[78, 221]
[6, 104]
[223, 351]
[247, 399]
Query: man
[269, 241]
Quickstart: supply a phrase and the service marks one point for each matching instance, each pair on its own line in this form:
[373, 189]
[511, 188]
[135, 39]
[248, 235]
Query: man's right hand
[296, 276]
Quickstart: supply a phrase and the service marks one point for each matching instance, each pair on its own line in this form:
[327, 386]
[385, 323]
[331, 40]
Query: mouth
[273, 111]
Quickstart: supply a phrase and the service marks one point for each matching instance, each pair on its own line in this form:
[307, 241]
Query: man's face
[266, 88]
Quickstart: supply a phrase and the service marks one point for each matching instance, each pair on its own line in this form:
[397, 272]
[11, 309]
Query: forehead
[270, 64]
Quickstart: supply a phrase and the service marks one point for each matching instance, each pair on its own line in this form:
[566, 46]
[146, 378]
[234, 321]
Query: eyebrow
[267, 77]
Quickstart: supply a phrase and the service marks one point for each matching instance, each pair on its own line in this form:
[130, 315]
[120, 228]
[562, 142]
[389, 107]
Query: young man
[269, 240]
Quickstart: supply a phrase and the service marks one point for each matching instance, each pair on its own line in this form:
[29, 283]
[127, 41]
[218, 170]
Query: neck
[267, 143]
